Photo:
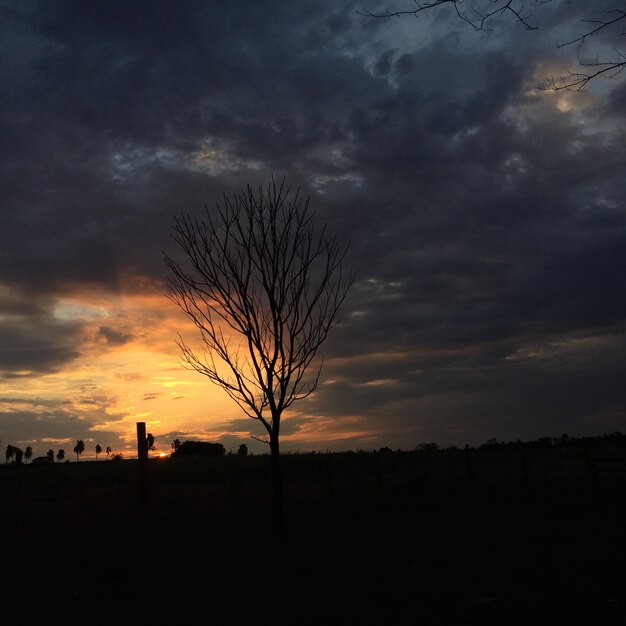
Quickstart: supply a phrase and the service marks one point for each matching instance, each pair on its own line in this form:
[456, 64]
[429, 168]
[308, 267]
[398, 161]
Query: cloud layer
[486, 217]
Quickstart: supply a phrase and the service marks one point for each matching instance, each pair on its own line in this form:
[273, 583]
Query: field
[433, 537]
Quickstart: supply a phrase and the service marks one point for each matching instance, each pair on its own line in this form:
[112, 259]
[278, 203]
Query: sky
[485, 217]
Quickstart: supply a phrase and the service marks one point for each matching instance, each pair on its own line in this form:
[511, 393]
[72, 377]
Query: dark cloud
[32, 340]
[483, 218]
[617, 101]
[113, 337]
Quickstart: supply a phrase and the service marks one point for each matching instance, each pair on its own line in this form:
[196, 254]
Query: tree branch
[479, 20]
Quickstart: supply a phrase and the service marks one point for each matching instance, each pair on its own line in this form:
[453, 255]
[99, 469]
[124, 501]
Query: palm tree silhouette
[9, 453]
[28, 453]
[98, 450]
[50, 456]
[108, 451]
[60, 455]
[79, 448]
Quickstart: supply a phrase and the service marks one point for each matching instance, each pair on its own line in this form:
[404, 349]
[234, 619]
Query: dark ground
[403, 538]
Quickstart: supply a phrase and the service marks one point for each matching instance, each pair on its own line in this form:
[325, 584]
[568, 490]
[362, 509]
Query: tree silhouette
[98, 450]
[480, 13]
[28, 453]
[150, 441]
[176, 445]
[79, 448]
[50, 456]
[10, 453]
[264, 289]
[109, 451]
[60, 455]
[243, 450]
[200, 448]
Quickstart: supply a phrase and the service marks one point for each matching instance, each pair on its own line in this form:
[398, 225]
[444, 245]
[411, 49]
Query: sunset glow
[127, 370]
[483, 214]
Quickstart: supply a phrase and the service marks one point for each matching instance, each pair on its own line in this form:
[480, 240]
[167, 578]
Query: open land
[488, 536]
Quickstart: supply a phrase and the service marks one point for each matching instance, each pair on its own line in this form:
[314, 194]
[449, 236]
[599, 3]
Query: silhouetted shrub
[200, 448]
[41, 460]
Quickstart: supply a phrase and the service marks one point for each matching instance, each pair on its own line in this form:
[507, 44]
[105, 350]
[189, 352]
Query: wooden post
[142, 443]
[142, 463]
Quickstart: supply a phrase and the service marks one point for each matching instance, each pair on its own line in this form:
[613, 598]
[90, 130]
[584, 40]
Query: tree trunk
[277, 480]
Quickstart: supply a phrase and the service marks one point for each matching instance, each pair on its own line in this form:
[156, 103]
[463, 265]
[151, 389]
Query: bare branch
[601, 24]
[577, 81]
[479, 19]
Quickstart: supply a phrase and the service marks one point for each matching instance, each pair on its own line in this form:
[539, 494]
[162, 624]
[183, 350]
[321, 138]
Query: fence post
[142, 461]
[142, 442]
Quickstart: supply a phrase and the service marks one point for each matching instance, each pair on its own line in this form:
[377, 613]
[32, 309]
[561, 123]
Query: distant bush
[200, 448]
[41, 460]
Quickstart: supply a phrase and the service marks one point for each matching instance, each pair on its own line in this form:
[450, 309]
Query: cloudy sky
[486, 216]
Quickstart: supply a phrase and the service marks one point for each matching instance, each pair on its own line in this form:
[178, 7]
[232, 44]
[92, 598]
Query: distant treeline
[210, 449]
[564, 441]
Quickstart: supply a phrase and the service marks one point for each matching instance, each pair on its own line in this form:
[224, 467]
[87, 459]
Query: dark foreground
[402, 538]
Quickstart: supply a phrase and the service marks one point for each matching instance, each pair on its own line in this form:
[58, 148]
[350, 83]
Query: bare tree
[479, 14]
[264, 288]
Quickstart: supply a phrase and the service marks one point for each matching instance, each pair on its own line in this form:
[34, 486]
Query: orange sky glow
[128, 369]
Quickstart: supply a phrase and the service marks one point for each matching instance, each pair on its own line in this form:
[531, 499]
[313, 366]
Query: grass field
[433, 537]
